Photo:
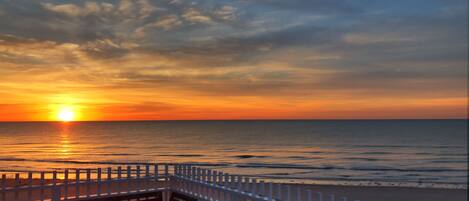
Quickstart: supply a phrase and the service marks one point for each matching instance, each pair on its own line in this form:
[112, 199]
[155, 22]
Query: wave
[246, 156]
[401, 146]
[365, 159]
[370, 168]
[180, 155]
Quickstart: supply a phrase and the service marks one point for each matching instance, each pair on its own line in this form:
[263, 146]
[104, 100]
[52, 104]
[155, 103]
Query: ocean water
[422, 153]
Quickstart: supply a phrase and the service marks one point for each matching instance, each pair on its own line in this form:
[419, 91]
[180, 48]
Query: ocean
[420, 153]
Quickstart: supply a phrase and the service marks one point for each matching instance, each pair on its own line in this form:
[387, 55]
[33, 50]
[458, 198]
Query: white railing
[186, 179]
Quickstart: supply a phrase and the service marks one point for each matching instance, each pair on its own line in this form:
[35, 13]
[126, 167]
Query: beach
[375, 193]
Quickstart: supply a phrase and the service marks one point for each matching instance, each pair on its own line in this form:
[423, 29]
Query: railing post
[129, 179]
[4, 186]
[30, 184]
[138, 178]
[198, 174]
[288, 198]
[215, 177]
[319, 196]
[147, 171]
[119, 177]
[208, 176]
[310, 195]
[147, 177]
[194, 173]
[55, 193]
[298, 193]
[227, 180]
[88, 182]
[331, 197]
[240, 185]
[344, 198]
[77, 183]
[156, 172]
[42, 185]
[17, 185]
[279, 191]
[262, 190]
[187, 171]
[271, 191]
[254, 186]
[98, 183]
[66, 184]
[109, 178]
[220, 178]
[166, 172]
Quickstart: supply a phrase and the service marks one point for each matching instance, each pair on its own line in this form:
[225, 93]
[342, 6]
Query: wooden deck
[151, 182]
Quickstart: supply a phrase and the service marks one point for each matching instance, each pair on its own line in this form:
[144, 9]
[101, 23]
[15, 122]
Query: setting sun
[66, 114]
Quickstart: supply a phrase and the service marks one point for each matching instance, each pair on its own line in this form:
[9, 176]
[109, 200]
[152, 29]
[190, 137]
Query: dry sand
[380, 193]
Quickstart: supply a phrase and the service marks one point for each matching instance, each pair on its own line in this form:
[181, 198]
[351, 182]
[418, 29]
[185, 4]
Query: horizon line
[161, 120]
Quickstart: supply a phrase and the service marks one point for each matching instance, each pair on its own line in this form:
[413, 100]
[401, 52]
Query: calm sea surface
[425, 153]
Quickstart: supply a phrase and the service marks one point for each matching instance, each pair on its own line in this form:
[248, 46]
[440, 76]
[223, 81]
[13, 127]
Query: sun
[66, 114]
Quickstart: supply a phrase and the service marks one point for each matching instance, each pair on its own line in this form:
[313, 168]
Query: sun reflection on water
[65, 147]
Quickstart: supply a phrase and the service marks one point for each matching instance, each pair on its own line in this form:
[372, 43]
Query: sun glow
[66, 114]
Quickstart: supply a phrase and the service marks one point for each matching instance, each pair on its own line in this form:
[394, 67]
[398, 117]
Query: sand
[380, 193]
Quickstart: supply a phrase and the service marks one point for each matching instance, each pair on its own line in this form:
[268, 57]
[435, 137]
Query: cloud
[192, 15]
[279, 52]
[226, 12]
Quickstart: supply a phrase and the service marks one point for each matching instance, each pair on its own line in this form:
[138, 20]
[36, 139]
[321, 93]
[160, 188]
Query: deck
[151, 182]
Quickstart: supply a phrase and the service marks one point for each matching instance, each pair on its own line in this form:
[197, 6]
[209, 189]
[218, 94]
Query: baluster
[226, 182]
[30, 184]
[262, 190]
[129, 179]
[42, 182]
[88, 182]
[240, 185]
[197, 175]
[109, 178]
[271, 191]
[77, 183]
[98, 183]
[298, 193]
[279, 193]
[310, 195]
[254, 186]
[331, 197]
[17, 186]
[138, 178]
[220, 178]
[166, 172]
[214, 177]
[119, 179]
[66, 184]
[319, 196]
[233, 182]
[156, 172]
[4, 186]
[147, 176]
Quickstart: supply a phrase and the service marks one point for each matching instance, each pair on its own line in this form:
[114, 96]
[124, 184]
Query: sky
[240, 59]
